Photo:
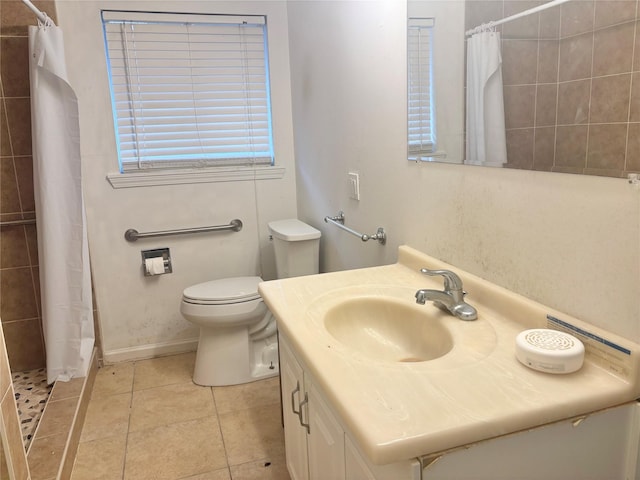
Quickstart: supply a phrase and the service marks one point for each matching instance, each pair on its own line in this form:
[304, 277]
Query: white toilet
[238, 342]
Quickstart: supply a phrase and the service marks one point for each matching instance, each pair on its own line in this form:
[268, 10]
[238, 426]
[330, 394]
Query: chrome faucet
[451, 298]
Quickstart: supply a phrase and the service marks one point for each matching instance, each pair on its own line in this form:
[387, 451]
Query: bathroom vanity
[375, 386]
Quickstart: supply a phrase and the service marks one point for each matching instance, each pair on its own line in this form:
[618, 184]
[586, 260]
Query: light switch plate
[354, 185]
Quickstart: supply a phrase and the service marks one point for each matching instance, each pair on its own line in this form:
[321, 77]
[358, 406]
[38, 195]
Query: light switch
[354, 186]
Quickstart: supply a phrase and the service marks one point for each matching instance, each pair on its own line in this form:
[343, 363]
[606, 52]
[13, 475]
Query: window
[421, 108]
[189, 91]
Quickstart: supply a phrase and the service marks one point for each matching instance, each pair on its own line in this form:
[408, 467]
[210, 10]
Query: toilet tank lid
[224, 289]
[293, 230]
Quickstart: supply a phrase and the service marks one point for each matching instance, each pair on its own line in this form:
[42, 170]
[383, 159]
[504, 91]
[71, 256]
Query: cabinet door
[325, 440]
[295, 436]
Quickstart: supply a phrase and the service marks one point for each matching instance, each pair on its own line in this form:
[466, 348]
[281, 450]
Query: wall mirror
[570, 84]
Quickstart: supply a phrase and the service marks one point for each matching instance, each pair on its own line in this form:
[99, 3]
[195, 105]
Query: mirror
[570, 83]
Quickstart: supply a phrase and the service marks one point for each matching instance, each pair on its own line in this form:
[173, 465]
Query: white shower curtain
[486, 136]
[65, 278]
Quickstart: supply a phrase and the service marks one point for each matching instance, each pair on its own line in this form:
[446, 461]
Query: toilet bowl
[238, 341]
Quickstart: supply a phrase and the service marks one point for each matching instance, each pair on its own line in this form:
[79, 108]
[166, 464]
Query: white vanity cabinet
[314, 440]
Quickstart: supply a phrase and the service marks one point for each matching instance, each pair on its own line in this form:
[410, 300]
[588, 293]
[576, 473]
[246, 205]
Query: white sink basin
[387, 329]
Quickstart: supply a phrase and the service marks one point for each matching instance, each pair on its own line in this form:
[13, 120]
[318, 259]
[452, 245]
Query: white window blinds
[421, 108]
[189, 90]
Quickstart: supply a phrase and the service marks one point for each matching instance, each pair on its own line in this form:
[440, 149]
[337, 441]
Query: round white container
[549, 351]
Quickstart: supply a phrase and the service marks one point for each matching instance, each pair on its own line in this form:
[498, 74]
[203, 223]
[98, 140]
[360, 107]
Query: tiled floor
[31, 392]
[147, 420]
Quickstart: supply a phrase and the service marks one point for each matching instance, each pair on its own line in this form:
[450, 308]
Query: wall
[19, 279]
[139, 316]
[569, 241]
[573, 109]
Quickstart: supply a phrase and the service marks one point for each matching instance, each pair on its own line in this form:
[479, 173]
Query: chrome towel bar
[338, 221]
[132, 235]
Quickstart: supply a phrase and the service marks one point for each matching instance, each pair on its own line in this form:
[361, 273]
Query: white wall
[571, 242]
[139, 315]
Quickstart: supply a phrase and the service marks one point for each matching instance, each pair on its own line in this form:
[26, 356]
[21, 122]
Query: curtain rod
[489, 25]
[41, 15]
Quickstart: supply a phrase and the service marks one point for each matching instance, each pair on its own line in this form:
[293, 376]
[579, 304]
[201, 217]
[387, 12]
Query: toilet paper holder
[151, 255]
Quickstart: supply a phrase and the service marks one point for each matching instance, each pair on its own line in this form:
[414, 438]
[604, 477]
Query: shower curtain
[65, 278]
[486, 136]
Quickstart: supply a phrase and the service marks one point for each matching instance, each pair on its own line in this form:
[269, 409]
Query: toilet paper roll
[154, 266]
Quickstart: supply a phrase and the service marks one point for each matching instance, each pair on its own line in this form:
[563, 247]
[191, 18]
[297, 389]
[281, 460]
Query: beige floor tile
[101, 459]
[252, 434]
[265, 469]
[106, 416]
[175, 451]
[62, 390]
[113, 379]
[45, 456]
[57, 417]
[222, 474]
[249, 395]
[157, 372]
[170, 404]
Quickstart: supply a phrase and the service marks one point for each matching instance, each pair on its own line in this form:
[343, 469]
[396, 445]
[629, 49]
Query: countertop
[398, 411]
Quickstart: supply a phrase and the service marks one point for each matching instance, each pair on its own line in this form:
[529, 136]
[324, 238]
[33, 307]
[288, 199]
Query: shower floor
[32, 393]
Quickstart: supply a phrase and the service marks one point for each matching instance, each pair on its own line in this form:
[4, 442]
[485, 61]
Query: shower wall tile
[18, 295]
[550, 24]
[13, 249]
[19, 119]
[5, 143]
[548, 61]
[636, 49]
[15, 71]
[24, 177]
[633, 148]
[610, 99]
[634, 113]
[613, 50]
[517, 67]
[520, 148]
[571, 146]
[546, 104]
[24, 344]
[577, 18]
[607, 147]
[613, 12]
[575, 57]
[544, 148]
[573, 102]
[519, 105]
[9, 194]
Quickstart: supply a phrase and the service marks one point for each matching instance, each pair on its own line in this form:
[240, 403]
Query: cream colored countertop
[477, 391]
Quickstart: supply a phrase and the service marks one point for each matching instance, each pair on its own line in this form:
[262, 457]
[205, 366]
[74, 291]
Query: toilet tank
[297, 247]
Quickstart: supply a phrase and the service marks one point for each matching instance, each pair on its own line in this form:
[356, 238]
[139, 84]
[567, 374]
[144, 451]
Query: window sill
[191, 176]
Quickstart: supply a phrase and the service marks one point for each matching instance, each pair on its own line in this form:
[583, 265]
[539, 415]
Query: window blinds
[189, 90]
[421, 109]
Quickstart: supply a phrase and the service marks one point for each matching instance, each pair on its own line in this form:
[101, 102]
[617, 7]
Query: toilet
[238, 342]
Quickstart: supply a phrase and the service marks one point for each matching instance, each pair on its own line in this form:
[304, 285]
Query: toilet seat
[223, 292]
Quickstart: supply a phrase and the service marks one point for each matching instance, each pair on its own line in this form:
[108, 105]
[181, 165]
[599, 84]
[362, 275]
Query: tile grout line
[224, 446]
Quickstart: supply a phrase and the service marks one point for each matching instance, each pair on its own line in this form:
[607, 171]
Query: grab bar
[13, 223]
[338, 221]
[132, 235]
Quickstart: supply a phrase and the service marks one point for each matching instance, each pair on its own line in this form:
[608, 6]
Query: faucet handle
[451, 280]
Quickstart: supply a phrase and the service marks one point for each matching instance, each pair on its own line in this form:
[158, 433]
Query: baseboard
[153, 350]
